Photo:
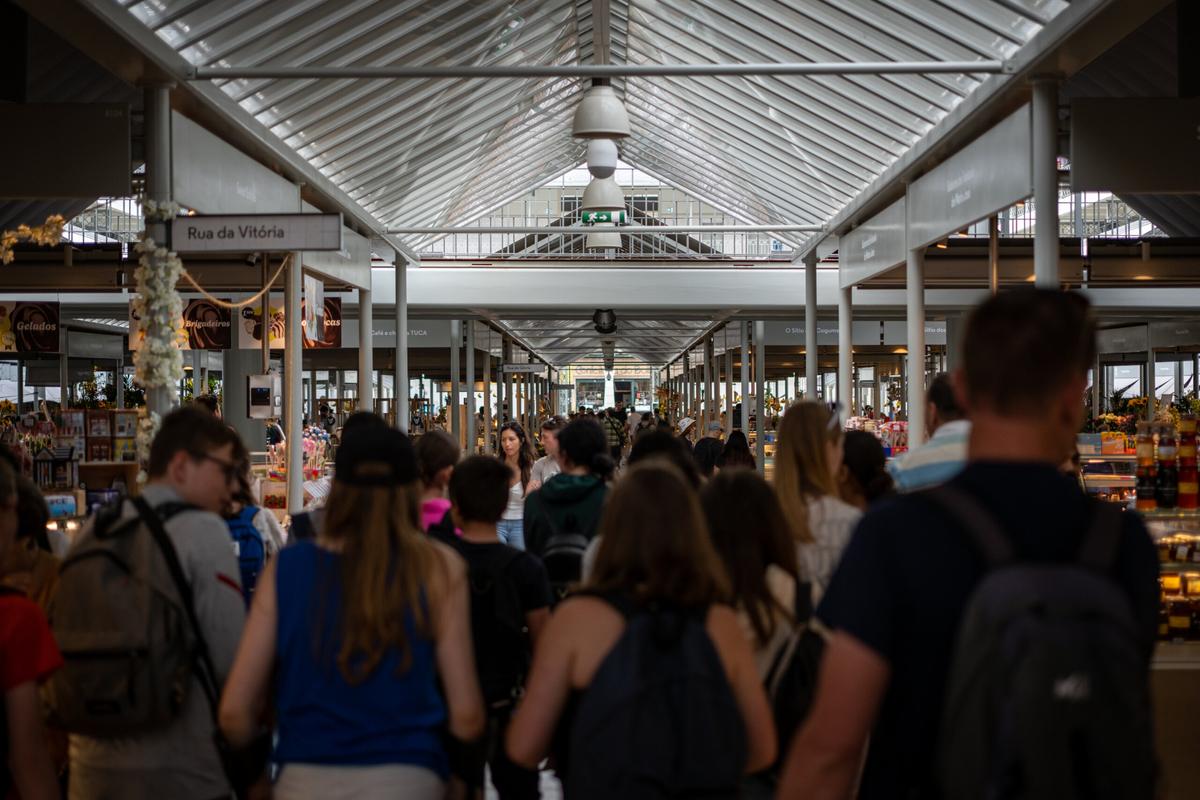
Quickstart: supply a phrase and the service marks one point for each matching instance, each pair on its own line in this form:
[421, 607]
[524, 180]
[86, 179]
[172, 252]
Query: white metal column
[403, 405]
[745, 352]
[994, 254]
[487, 395]
[708, 384]
[455, 380]
[811, 364]
[845, 382]
[729, 424]
[366, 353]
[471, 407]
[915, 292]
[157, 99]
[293, 373]
[687, 385]
[1045, 183]
[760, 390]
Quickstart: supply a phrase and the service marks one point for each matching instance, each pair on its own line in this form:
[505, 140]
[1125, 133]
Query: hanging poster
[330, 317]
[205, 325]
[29, 327]
[249, 323]
[208, 325]
[314, 307]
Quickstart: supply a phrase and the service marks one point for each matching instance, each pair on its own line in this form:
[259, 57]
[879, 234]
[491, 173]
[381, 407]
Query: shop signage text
[29, 327]
[247, 233]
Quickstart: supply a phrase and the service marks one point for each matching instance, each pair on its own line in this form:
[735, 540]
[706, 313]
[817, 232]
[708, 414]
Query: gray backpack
[1048, 693]
[121, 617]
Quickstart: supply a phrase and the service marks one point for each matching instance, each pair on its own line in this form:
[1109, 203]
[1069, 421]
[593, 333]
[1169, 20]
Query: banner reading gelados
[205, 325]
[29, 327]
[250, 326]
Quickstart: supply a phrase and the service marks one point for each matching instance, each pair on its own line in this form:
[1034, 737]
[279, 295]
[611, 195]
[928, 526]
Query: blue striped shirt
[936, 461]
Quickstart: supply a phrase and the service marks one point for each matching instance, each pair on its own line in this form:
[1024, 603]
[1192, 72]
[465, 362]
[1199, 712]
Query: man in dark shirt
[502, 578]
[896, 600]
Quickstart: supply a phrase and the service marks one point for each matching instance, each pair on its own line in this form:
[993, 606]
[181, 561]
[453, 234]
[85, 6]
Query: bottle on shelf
[1147, 472]
[1166, 482]
[1189, 478]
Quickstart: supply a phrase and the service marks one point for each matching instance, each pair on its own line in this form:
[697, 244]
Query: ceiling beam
[980, 67]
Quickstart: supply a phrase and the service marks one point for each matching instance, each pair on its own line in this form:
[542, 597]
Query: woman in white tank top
[517, 453]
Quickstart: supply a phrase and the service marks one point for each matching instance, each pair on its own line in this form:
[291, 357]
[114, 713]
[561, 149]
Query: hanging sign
[873, 247]
[29, 327]
[330, 315]
[529, 369]
[250, 326]
[204, 325]
[617, 217]
[249, 233]
[988, 175]
[314, 306]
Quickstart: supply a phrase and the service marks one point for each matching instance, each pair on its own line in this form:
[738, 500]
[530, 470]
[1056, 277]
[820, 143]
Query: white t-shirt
[831, 521]
[544, 469]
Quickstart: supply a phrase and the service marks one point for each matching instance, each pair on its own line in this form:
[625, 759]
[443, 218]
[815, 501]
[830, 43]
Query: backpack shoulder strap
[206, 673]
[803, 605]
[1100, 543]
[976, 520]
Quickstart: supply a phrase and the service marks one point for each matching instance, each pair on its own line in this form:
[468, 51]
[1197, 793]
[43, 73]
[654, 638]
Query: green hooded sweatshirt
[574, 503]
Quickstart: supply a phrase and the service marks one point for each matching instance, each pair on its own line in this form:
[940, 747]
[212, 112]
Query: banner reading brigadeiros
[204, 325]
[29, 327]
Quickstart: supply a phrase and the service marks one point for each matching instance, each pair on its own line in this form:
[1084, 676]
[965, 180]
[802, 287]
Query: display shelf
[1093, 458]
[1176, 655]
[108, 464]
[1110, 481]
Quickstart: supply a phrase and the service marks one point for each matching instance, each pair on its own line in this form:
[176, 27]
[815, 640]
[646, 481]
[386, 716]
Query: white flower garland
[159, 361]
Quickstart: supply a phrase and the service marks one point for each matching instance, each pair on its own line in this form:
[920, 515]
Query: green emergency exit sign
[604, 216]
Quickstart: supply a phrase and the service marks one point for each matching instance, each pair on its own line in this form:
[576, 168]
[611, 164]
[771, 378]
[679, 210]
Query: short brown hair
[436, 450]
[190, 429]
[655, 543]
[479, 489]
[1022, 346]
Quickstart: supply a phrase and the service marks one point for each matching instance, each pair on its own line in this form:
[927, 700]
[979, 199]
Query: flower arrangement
[48, 233]
[158, 363]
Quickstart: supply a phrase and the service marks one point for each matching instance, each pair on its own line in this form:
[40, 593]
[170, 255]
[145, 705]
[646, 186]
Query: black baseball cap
[375, 457]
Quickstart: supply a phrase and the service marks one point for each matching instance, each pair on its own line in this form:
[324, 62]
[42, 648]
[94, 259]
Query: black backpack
[562, 555]
[1049, 688]
[791, 681]
[502, 646]
[659, 719]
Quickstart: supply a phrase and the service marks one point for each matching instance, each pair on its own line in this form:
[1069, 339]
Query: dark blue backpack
[659, 719]
[249, 547]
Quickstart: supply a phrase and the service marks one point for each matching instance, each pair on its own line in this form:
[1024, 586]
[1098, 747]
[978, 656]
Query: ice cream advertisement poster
[29, 327]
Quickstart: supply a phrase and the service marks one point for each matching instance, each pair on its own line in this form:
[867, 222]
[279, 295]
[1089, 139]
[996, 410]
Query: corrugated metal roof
[764, 149]
[1143, 64]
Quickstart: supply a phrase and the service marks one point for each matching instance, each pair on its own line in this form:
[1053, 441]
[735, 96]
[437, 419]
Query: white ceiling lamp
[603, 241]
[600, 115]
[603, 194]
[602, 157]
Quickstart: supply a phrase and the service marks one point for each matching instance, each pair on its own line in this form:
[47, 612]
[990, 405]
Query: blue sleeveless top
[390, 718]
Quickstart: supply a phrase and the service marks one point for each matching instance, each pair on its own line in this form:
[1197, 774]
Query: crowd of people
[673, 626]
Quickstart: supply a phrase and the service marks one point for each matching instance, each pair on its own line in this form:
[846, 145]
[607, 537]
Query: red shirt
[27, 648]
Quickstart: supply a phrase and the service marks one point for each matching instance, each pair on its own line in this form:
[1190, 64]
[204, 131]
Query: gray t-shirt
[544, 469]
[179, 761]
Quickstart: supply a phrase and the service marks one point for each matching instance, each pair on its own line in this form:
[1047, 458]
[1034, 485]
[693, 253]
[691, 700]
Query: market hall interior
[457, 215]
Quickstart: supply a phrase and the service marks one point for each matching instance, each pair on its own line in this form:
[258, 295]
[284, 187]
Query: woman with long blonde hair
[808, 459]
[357, 628]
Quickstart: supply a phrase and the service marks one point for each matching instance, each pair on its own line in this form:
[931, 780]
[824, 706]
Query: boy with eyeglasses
[191, 473]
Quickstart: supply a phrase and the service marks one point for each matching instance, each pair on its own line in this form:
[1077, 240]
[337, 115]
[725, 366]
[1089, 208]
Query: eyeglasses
[230, 471]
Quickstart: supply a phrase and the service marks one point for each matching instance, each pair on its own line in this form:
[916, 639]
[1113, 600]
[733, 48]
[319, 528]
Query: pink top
[433, 510]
